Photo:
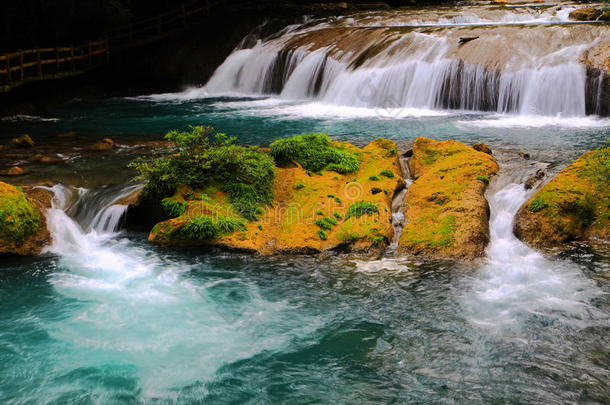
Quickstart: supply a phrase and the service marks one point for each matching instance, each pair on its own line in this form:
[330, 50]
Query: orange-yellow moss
[446, 212]
[288, 225]
[575, 205]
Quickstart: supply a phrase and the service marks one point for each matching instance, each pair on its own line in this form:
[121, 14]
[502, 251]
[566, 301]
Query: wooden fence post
[7, 66]
[39, 63]
[72, 57]
[21, 63]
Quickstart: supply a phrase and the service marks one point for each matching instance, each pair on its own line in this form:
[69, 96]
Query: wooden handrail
[70, 60]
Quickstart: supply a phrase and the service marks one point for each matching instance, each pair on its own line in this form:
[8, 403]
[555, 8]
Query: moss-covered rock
[310, 212]
[573, 206]
[446, 212]
[23, 228]
[587, 14]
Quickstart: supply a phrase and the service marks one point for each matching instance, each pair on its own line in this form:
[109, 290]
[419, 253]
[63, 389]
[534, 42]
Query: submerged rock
[23, 229]
[574, 206]
[23, 141]
[446, 212]
[14, 171]
[588, 14]
[102, 146]
[481, 147]
[311, 212]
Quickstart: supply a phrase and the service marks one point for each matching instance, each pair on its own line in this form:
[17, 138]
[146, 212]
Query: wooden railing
[51, 63]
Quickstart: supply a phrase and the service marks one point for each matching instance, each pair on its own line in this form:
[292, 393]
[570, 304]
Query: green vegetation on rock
[361, 208]
[202, 158]
[315, 153]
[537, 205]
[387, 173]
[206, 227]
[173, 208]
[19, 217]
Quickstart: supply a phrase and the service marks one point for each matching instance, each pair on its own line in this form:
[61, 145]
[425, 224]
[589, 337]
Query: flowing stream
[105, 317]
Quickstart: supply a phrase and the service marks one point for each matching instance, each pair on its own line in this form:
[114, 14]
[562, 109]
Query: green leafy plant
[315, 153]
[299, 186]
[206, 227]
[322, 234]
[483, 179]
[376, 190]
[373, 178]
[173, 208]
[537, 205]
[387, 173]
[361, 208]
[338, 200]
[320, 212]
[337, 215]
[323, 224]
[200, 158]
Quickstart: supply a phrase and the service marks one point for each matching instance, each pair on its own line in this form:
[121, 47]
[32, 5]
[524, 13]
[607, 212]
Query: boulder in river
[311, 211]
[23, 141]
[481, 147]
[573, 206]
[23, 229]
[14, 171]
[446, 213]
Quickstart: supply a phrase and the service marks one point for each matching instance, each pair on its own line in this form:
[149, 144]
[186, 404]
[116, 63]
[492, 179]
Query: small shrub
[337, 215]
[331, 196]
[260, 227]
[320, 212]
[338, 200]
[201, 158]
[537, 205]
[360, 208]
[319, 173]
[376, 190]
[373, 178]
[330, 220]
[322, 234]
[323, 224]
[173, 208]
[315, 153]
[299, 186]
[206, 227]
[483, 179]
[387, 173]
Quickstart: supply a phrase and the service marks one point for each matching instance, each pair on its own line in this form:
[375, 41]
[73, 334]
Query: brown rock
[585, 14]
[15, 171]
[23, 141]
[531, 182]
[108, 141]
[50, 160]
[481, 147]
[99, 147]
[524, 155]
[68, 134]
[445, 208]
[571, 207]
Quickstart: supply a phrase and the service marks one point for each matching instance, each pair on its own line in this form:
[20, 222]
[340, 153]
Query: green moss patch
[19, 217]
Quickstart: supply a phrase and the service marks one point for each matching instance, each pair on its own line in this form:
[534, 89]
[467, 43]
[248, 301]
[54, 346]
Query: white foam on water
[536, 121]
[518, 283]
[135, 308]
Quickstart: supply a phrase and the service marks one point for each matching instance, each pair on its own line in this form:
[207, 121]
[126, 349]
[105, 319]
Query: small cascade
[79, 216]
[518, 282]
[398, 205]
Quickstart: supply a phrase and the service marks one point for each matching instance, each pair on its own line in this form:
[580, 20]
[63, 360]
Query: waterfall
[394, 67]
[518, 282]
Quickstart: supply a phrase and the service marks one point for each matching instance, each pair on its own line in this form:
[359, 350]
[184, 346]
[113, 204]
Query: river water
[104, 317]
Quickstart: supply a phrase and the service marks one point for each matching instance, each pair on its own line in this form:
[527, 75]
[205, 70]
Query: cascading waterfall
[518, 282]
[377, 67]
